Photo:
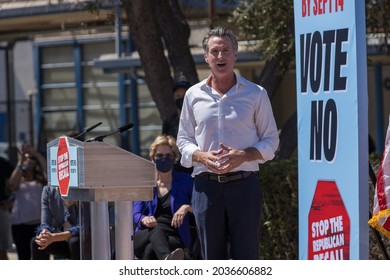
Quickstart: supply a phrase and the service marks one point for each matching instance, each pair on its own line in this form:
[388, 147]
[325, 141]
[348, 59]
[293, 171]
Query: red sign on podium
[63, 166]
[329, 224]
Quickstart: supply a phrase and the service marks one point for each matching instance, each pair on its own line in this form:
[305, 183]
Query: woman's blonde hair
[164, 140]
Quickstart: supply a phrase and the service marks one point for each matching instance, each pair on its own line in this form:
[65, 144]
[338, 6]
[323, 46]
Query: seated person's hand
[44, 239]
[41, 233]
[149, 221]
[178, 217]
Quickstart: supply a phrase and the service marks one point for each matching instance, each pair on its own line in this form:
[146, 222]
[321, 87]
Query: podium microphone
[78, 137]
[120, 130]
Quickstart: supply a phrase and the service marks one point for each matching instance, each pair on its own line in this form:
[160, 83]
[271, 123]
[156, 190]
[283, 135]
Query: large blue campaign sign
[332, 103]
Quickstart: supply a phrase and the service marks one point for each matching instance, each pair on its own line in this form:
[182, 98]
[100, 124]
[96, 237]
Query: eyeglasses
[160, 156]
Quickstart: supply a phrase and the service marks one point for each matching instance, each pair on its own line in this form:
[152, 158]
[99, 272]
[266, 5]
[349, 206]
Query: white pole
[100, 231]
[124, 230]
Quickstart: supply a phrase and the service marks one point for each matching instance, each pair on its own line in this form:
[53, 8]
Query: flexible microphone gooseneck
[120, 130]
[78, 137]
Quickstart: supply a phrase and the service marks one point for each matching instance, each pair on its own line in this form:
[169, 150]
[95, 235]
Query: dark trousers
[21, 235]
[228, 214]
[156, 243]
[64, 249]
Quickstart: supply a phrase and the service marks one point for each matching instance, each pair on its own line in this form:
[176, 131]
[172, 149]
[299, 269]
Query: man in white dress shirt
[226, 130]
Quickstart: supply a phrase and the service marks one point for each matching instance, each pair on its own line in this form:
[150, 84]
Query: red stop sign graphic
[63, 169]
[329, 224]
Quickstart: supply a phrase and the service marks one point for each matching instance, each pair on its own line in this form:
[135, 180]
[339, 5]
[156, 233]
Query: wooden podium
[95, 173]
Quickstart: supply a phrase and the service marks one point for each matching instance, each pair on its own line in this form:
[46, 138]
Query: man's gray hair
[220, 32]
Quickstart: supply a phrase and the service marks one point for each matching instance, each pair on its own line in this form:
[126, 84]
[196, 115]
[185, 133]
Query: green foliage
[378, 21]
[93, 6]
[268, 25]
[378, 16]
[279, 233]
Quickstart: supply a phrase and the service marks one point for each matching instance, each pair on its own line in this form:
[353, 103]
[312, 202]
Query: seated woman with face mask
[162, 224]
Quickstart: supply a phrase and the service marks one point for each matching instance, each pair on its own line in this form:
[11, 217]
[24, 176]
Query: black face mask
[164, 164]
[179, 103]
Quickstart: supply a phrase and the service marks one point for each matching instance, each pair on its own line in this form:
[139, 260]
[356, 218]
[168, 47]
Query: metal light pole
[10, 101]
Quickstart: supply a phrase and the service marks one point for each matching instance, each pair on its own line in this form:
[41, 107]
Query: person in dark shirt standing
[171, 126]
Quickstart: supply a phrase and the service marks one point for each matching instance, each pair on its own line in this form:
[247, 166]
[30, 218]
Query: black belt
[224, 178]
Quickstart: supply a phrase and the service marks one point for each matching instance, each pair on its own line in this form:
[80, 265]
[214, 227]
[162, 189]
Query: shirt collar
[239, 81]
